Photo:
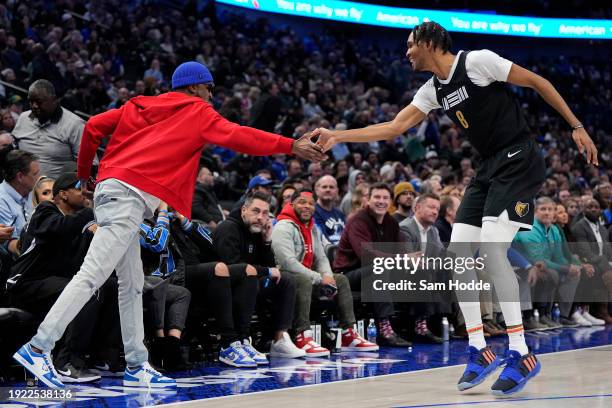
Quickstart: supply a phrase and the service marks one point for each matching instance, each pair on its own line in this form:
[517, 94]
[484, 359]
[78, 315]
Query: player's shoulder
[480, 55]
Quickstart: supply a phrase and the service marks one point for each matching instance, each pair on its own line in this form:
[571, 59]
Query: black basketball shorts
[508, 180]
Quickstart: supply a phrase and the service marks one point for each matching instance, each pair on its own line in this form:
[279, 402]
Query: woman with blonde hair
[43, 190]
[359, 199]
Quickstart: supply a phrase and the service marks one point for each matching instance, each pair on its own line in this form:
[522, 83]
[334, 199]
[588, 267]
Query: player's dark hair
[434, 33]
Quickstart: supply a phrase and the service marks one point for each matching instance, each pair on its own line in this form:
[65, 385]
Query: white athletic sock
[496, 237]
[473, 324]
[516, 335]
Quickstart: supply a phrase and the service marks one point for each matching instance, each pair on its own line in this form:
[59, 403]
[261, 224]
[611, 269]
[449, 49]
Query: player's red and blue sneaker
[481, 363]
[517, 371]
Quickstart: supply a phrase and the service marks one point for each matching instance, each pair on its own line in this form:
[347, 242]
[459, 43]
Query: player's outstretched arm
[526, 78]
[408, 117]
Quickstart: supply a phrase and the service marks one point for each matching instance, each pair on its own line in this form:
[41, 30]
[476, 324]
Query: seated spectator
[328, 218]
[56, 243]
[359, 199]
[258, 183]
[42, 191]
[371, 224]
[184, 254]
[49, 131]
[356, 177]
[403, 194]
[7, 123]
[284, 197]
[299, 252]
[21, 172]
[448, 210]
[592, 246]
[560, 273]
[246, 238]
[422, 236]
[206, 206]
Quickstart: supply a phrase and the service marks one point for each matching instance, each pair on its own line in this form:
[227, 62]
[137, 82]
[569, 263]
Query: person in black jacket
[205, 206]
[246, 237]
[54, 247]
[182, 251]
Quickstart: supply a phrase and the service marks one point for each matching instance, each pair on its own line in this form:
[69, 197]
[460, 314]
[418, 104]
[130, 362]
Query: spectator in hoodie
[133, 178]
[356, 177]
[299, 252]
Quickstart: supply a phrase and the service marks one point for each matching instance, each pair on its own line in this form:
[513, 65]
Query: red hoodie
[157, 141]
[288, 213]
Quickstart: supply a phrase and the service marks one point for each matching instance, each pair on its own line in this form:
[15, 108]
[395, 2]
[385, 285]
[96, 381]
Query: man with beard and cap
[298, 250]
[594, 247]
[152, 155]
[403, 194]
[48, 130]
[355, 178]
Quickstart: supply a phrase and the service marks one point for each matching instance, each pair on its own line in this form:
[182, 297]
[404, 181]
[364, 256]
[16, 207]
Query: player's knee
[222, 270]
[251, 271]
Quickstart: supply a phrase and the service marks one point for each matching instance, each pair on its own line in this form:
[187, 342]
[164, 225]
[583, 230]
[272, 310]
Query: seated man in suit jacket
[421, 235]
[593, 246]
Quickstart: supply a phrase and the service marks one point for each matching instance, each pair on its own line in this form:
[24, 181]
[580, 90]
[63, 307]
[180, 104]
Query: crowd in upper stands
[275, 236]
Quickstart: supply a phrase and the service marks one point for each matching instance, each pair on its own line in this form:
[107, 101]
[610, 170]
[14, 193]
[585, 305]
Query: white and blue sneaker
[146, 376]
[258, 357]
[39, 364]
[236, 356]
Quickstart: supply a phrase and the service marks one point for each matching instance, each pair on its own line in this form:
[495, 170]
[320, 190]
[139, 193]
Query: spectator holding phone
[297, 246]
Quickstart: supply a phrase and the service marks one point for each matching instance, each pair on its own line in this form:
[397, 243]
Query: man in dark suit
[593, 246]
[421, 235]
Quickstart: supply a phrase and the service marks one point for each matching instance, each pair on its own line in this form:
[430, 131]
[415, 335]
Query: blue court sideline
[214, 380]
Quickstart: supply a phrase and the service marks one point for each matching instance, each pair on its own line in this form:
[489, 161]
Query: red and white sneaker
[352, 341]
[305, 342]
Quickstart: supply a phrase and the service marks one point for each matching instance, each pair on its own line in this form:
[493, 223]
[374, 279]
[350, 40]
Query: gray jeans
[119, 212]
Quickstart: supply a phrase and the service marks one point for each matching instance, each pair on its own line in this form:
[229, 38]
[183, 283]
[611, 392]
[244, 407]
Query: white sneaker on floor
[146, 376]
[594, 321]
[258, 357]
[285, 348]
[39, 364]
[579, 319]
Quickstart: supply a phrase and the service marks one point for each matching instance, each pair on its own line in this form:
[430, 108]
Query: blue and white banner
[477, 23]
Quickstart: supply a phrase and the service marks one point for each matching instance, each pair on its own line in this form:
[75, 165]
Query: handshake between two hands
[315, 150]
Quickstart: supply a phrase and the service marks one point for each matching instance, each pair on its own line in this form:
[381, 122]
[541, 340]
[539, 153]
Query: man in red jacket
[153, 155]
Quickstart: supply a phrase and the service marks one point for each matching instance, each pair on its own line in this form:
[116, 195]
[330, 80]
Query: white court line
[352, 379]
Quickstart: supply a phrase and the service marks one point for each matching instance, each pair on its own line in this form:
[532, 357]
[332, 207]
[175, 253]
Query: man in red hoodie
[153, 155]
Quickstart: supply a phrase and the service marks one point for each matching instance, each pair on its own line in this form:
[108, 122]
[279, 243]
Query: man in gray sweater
[298, 250]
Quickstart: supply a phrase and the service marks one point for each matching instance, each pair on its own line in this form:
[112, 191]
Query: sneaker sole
[518, 387]
[77, 380]
[480, 378]
[27, 366]
[370, 348]
[262, 362]
[233, 364]
[286, 355]
[319, 354]
[149, 385]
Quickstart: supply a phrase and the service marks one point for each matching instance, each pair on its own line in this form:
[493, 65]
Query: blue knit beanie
[190, 73]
